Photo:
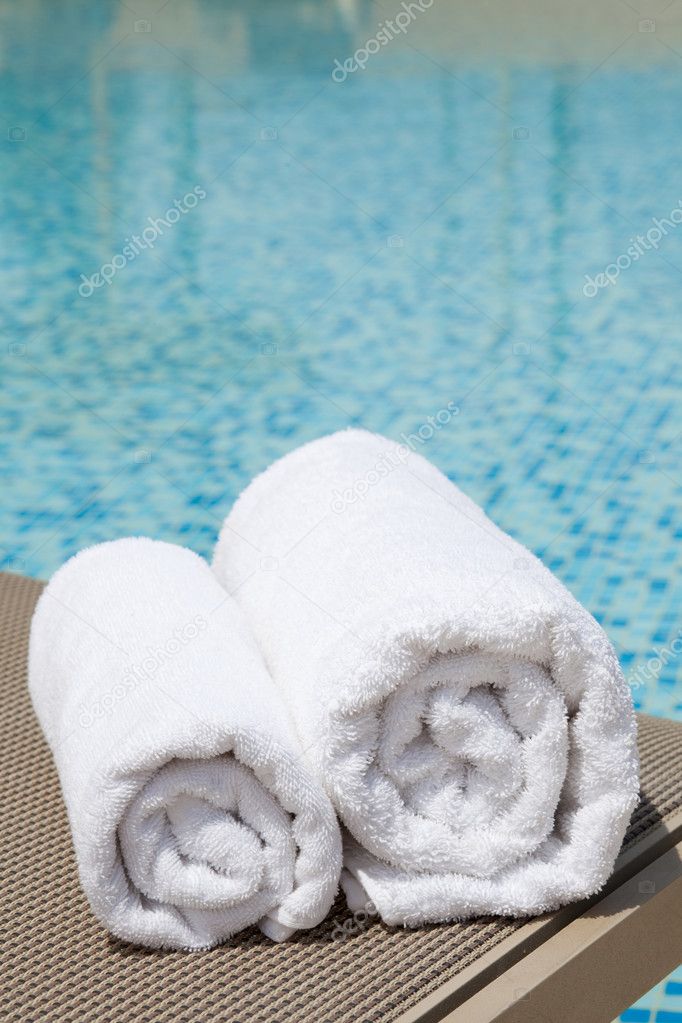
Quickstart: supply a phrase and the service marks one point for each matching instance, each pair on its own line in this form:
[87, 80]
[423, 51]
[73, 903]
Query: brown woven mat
[60, 964]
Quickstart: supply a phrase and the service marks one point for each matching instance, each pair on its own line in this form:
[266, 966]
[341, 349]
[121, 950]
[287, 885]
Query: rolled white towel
[466, 715]
[191, 812]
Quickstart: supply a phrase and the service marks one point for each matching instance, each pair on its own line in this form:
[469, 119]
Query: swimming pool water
[365, 252]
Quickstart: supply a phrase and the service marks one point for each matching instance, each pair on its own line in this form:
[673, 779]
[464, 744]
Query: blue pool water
[364, 252]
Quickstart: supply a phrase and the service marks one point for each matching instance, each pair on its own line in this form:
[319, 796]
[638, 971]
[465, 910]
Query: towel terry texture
[191, 811]
[466, 715]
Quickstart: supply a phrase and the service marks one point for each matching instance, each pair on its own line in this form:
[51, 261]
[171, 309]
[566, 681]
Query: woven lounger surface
[59, 963]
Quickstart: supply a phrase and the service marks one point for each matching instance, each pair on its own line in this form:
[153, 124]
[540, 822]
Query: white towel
[467, 717]
[191, 812]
